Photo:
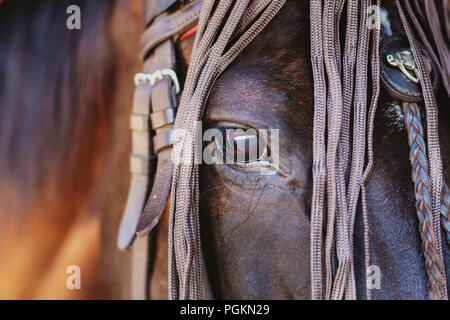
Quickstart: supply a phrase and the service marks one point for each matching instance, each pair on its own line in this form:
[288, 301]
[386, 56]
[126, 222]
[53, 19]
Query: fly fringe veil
[225, 28]
[343, 147]
[344, 116]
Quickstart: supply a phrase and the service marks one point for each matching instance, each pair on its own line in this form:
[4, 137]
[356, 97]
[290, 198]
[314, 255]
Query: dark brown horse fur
[65, 97]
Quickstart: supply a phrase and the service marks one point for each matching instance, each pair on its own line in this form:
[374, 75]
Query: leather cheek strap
[159, 196]
[163, 99]
[140, 165]
[157, 105]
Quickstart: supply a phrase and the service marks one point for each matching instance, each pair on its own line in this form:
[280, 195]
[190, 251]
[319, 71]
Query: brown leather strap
[149, 100]
[154, 110]
[140, 163]
[163, 118]
[155, 8]
[160, 193]
[139, 270]
[163, 99]
[168, 26]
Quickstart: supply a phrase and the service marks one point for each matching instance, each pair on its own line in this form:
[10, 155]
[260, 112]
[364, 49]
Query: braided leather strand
[422, 190]
[445, 212]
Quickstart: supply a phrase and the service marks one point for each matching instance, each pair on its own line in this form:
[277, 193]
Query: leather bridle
[155, 103]
[154, 111]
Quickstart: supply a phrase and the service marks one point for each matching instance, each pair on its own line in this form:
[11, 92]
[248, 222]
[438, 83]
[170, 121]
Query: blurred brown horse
[61, 98]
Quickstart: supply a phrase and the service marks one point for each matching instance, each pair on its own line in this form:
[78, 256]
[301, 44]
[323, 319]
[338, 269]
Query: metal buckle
[151, 78]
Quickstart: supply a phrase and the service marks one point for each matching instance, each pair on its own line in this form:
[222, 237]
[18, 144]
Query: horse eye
[240, 146]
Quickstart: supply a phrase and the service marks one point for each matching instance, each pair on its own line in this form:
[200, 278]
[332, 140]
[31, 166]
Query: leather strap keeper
[163, 140]
[163, 118]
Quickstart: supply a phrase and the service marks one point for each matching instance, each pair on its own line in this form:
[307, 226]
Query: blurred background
[64, 145]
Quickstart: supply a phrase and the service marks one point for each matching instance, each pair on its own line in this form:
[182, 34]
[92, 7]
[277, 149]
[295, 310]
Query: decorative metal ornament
[405, 62]
[399, 72]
